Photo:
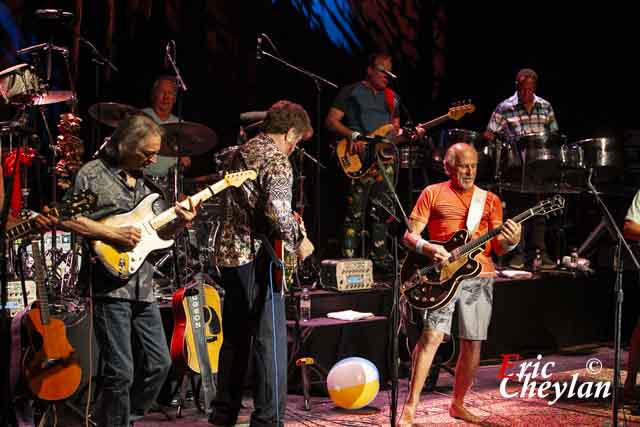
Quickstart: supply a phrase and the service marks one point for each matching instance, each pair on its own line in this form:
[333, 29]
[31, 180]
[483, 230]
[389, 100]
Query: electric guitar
[357, 165]
[431, 286]
[50, 367]
[123, 264]
[285, 276]
[197, 333]
[75, 205]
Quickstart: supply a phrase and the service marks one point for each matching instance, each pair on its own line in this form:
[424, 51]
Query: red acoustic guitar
[50, 367]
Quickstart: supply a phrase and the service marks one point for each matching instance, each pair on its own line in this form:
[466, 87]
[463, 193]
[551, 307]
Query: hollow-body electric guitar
[123, 264]
[430, 286]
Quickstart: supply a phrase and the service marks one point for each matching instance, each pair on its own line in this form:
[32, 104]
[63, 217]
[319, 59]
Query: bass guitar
[357, 165]
[123, 264]
[75, 205]
[197, 333]
[430, 286]
[50, 367]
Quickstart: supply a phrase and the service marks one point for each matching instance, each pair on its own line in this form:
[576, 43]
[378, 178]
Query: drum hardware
[111, 113]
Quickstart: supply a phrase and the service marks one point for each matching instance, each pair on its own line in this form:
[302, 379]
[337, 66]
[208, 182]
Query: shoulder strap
[476, 208]
[390, 100]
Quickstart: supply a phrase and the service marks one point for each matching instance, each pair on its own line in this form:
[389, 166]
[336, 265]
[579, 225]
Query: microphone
[52, 14]
[387, 73]
[253, 116]
[259, 47]
[167, 53]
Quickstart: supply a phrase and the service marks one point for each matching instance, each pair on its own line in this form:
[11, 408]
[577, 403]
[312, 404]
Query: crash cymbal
[112, 113]
[53, 96]
[187, 139]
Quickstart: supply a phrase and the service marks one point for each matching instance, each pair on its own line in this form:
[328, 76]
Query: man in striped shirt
[523, 114]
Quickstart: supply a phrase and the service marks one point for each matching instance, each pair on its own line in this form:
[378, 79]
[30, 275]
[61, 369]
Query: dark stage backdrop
[443, 52]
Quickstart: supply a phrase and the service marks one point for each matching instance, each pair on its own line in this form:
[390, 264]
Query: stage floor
[484, 399]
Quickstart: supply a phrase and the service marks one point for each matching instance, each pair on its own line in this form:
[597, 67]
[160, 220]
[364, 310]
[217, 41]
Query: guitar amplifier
[349, 274]
[14, 297]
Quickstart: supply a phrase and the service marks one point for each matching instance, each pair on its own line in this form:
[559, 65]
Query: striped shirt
[511, 120]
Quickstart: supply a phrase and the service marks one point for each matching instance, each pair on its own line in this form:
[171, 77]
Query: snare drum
[19, 84]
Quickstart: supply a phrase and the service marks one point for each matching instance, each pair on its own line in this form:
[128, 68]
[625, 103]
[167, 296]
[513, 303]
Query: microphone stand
[318, 81]
[395, 309]
[100, 60]
[614, 230]
[182, 88]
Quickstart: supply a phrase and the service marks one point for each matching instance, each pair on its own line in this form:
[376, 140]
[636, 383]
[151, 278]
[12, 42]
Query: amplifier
[349, 274]
[14, 297]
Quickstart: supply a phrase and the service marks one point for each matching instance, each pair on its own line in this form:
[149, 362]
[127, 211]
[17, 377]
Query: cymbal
[112, 113]
[187, 139]
[53, 96]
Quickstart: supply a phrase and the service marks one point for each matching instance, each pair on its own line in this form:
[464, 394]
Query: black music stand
[617, 235]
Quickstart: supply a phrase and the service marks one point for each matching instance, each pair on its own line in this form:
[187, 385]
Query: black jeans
[247, 315]
[122, 326]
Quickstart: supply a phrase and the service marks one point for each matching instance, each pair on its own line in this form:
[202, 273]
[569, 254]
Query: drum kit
[536, 163]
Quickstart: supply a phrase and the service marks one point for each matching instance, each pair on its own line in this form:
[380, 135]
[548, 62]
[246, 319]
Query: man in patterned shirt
[443, 209]
[523, 114]
[253, 304]
[126, 315]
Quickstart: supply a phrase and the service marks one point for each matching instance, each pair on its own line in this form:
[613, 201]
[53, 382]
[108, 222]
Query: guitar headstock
[236, 179]
[549, 206]
[77, 204]
[457, 111]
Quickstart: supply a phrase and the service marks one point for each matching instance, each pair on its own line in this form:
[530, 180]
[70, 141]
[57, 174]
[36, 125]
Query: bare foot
[406, 419]
[461, 413]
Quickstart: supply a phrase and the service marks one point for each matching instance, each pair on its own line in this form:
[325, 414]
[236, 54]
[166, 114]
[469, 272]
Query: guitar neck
[434, 122]
[41, 291]
[480, 241]
[170, 214]
[24, 228]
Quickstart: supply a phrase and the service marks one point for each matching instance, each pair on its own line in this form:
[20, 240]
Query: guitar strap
[22, 407]
[476, 208]
[390, 100]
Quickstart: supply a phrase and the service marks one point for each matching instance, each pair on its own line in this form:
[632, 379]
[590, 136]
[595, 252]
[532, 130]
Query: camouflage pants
[369, 202]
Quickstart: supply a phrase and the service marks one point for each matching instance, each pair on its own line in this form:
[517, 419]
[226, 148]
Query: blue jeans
[122, 326]
[247, 314]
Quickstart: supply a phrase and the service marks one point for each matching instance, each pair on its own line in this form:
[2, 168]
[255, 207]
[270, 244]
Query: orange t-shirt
[444, 210]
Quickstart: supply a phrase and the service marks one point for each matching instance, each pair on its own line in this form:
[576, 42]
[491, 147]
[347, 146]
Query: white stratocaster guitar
[124, 264]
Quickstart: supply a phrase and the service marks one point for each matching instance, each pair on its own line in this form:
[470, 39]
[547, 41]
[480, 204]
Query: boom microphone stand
[318, 81]
[619, 293]
[395, 310]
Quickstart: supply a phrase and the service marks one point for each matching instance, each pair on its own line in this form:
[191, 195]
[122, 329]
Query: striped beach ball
[353, 383]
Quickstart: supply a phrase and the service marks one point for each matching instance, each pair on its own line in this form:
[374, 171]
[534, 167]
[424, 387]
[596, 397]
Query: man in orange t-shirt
[442, 209]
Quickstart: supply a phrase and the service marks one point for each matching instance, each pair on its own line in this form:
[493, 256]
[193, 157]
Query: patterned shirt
[444, 210]
[109, 183]
[511, 119]
[257, 207]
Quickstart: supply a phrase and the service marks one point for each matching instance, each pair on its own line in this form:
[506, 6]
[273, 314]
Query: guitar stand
[184, 380]
[307, 366]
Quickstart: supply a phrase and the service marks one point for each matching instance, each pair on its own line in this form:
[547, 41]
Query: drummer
[163, 98]
[524, 113]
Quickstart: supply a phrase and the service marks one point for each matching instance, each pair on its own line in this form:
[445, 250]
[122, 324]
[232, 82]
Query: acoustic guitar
[123, 264]
[50, 367]
[430, 286]
[357, 165]
[197, 333]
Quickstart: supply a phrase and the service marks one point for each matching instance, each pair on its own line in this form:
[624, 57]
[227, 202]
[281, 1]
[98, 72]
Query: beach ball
[353, 383]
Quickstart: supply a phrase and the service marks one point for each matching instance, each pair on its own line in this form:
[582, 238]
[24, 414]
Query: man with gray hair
[443, 209]
[127, 319]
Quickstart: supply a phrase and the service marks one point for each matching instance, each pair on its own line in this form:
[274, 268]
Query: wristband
[355, 135]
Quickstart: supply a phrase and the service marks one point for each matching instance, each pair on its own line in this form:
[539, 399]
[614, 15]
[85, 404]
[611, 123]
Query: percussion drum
[541, 155]
[19, 84]
[605, 156]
